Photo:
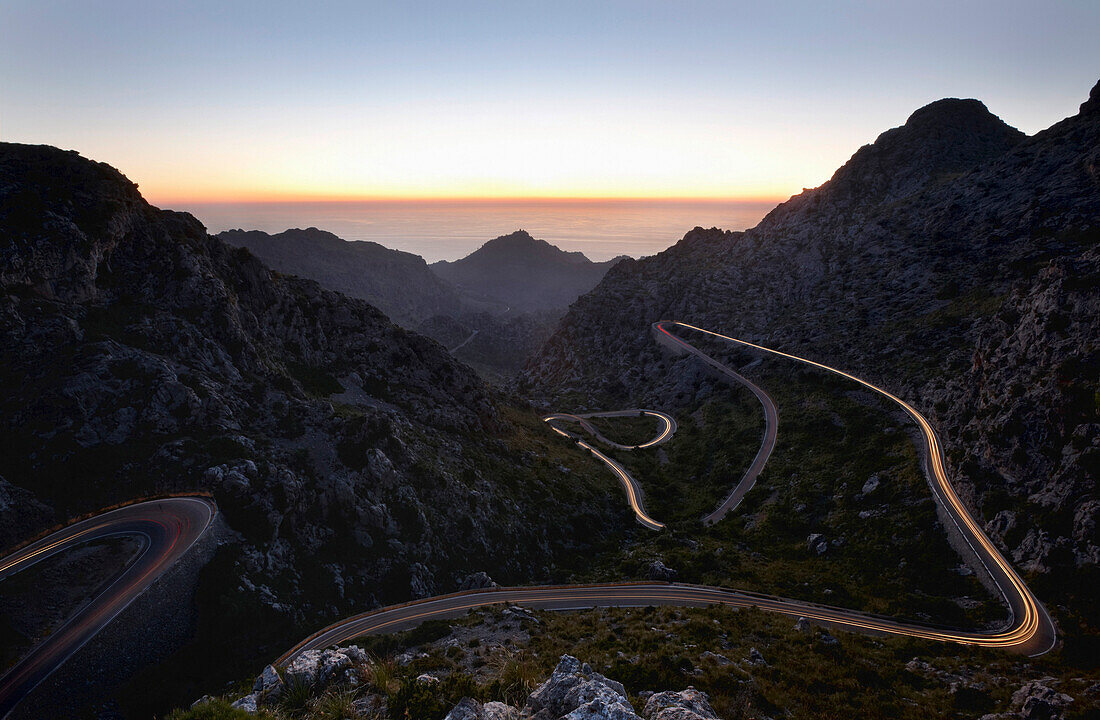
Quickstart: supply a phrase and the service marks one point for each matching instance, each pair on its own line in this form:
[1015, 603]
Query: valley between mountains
[303, 386]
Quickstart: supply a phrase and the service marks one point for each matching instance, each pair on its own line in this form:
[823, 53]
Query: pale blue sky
[331, 99]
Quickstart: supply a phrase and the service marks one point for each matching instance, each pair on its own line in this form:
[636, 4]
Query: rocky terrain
[358, 463]
[516, 664]
[574, 691]
[954, 261]
[397, 283]
[523, 274]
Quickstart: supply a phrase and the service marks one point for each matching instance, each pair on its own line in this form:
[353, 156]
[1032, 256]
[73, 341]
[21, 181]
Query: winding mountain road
[166, 529]
[634, 494]
[1029, 630]
[634, 491]
[668, 427]
[771, 422]
[464, 343]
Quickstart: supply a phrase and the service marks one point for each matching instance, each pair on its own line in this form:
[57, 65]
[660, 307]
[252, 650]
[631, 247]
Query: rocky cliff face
[523, 274]
[397, 283]
[359, 462]
[954, 261]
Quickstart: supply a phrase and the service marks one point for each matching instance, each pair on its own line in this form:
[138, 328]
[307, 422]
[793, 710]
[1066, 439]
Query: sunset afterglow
[203, 102]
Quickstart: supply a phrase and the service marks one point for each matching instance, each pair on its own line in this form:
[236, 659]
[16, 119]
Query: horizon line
[470, 199]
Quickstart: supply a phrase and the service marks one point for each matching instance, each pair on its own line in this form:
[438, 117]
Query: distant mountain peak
[949, 112]
[520, 247]
[515, 237]
[523, 273]
[938, 141]
[944, 137]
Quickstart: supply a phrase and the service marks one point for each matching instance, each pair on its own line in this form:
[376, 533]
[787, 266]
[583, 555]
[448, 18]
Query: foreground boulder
[470, 709]
[317, 668]
[1036, 700]
[690, 704]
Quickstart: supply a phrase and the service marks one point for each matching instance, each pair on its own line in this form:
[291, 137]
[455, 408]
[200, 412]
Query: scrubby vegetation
[628, 430]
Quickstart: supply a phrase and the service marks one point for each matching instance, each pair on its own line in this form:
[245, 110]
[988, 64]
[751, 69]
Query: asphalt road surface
[771, 422]
[635, 495]
[464, 343]
[668, 426]
[166, 528]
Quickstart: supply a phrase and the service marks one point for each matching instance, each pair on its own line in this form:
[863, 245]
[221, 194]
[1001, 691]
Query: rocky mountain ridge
[397, 283]
[523, 274]
[955, 262]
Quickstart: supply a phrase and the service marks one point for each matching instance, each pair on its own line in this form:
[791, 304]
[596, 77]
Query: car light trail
[634, 492]
[1030, 619]
[166, 528]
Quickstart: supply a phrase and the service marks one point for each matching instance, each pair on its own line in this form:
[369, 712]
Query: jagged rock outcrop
[953, 261]
[1036, 700]
[477, 581]
[318, 668]
[689, 704]
[576, 691]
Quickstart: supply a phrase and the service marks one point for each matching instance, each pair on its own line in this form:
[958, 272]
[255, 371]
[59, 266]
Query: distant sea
[448, 230]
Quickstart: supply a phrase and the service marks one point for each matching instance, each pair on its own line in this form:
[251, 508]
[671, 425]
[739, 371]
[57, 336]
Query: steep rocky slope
[521, 273]
[954, 261]
[397, 283]
[359, 462]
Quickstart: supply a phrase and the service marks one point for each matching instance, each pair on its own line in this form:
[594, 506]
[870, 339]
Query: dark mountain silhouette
[511, 291]
[522, 273]
[397, 283]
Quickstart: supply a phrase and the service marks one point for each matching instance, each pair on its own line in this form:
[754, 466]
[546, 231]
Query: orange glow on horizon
[167, 199]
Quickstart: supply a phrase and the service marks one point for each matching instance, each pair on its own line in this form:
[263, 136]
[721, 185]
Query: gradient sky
[263, 100]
